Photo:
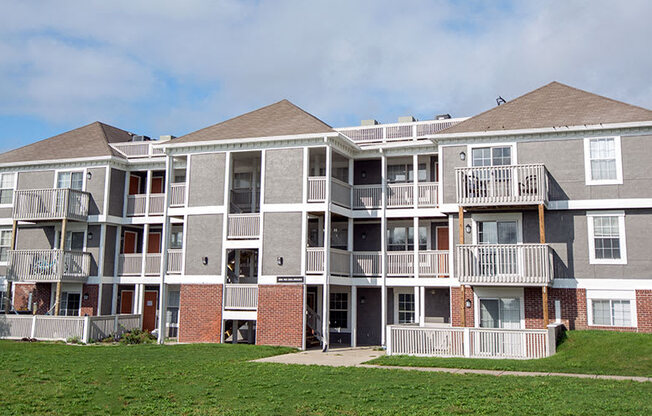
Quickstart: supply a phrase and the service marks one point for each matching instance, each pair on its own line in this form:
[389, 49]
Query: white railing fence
[243, 226]
[504, 264]
[366, 263]
[60, 328]
[316, 188]
[175, 260]
[341, 193]
[136, 204]
[48, 265]
[137, 149]
[130, 264]
[178, 195]
[496, 185]
[400, 263]
[396, 131]
[367, 196]
[152, 264]
[471, 342]
[340, 262]
[156, 204]
[315, 260]
[38, 204]
[241, 296]
[434, 263]
[400, 195]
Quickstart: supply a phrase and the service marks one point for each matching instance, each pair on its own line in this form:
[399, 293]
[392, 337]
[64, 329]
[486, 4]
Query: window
[405, 308]
[500, 313]
[2, 300]
[176, 237]
[74, 240]
[606, 237]
[611, 312]
[497, 232]
[339, 310]
[172, 320]
[402, 238]
[5, 245]
[491, 156]
[7, 182]
[404, 173]
[70, 303]
[602, 161]
[72, 180]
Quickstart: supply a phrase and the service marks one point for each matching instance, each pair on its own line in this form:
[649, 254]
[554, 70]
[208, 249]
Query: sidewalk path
[355, 357]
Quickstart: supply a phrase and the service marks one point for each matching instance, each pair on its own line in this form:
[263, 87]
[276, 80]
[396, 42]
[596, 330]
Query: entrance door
[154, 243]
[129, 243]
[126, 301]
[134, 185]
[442, 238]
[157, 185]
[149, 310]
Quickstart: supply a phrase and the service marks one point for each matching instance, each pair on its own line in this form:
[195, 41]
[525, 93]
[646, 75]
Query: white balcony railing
[137, 149]
[48, 266]
[51, 204]
[367, 196]
[132, 264]
[316, 188]
[470, 342]
[434, 263]
[244, 226]
[367, 263]
[505, 264]
[178, 194]
[502, 185]
[175, 261]
[341, 193]
[241, 296]
[137, 204]
[365, 135]
[399, 195]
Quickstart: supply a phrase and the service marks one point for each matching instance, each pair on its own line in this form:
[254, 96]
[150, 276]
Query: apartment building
[275, 228]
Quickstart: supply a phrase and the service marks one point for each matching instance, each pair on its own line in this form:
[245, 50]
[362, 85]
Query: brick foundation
[89, 306]
[456, 305]
[280, 315]
[41, 293]
[644, 310]
[200, 313]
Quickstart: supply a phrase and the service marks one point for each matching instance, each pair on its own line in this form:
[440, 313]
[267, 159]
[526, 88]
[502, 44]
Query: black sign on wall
[289, 279]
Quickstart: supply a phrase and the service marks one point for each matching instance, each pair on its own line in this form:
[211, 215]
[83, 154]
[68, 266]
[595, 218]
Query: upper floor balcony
[48, 266]
[149, 264]
[51, 204]
[394, 132]
[141, 149]
[502, 185]
[505, 264]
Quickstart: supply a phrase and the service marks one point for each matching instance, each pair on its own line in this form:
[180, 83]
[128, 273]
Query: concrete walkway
[355, 357]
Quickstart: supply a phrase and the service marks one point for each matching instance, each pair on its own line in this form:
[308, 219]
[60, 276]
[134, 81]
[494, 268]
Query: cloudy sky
[171, 67]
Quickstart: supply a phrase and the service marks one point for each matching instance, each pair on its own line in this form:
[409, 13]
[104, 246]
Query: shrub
[73, 340]
[137, 336]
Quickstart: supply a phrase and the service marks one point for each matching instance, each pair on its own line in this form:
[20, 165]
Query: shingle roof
[553, 105]
[279, 119]
[91, 140]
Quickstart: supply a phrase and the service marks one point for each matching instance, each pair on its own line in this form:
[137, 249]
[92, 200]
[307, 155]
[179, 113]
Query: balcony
[369, 135]
[51, 204]
[48, 266]
[432, 263]
[132, 264]
[399, 195]
[243, 226]
[502, 185]
[241, 296]
[137, 149]
[505, 264]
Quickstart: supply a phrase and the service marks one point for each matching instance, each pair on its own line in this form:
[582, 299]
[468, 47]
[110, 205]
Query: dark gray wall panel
[95, 186]
[117, 192]
[204, 240]
[451, 160]
[109, 249]
[43, 179]
[36, 238]
[367, 172]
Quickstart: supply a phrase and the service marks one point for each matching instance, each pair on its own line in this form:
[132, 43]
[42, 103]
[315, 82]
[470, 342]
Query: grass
[48, 379]
[587, 352]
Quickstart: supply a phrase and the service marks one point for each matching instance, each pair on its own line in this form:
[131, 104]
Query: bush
[137, 336]
[73, 340]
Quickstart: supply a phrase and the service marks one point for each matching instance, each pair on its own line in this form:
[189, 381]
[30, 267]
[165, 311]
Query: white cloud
[177, 66]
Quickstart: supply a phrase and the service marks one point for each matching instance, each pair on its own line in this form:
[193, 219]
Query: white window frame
[621, 235]
[498, 293]
[405, 291]
[13, 188]
[611, 295]
[470, 147]
[587, 162]
[499, 217]
[84, 172]
[348, 311]
[4, 230]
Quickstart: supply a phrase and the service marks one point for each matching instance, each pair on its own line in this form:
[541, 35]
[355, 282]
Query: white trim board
[603, 284]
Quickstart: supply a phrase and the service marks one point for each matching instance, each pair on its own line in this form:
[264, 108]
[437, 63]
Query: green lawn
[588, 352]
[41, 378]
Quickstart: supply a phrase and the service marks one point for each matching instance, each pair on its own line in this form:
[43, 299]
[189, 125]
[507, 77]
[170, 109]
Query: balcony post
[415, 180]
[148, 191]
[461, 235]
[7, 299]
[62, 247]
[165, 238]
[383, 248]
[327, 251]
[145, 250]
[354, 316]
[544, 289]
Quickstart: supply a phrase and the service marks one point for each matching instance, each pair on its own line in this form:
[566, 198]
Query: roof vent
[442, 116]
[370, 122]
[500, 100]
[139, 138]
[166, 138]
[406, 119]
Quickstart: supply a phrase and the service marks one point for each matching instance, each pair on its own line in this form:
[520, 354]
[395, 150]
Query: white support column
[126, 194]
[349, 244]
[415, 181]
[165, 238]
[98, 311]
[223, 257]
[114, 293]
[148, 189]
[415, 241]
[383, 248]
[327, 251]
[354, 316]
[422, 304]
[417, 305]
[261, 209]
[114, 300]
[304, 214]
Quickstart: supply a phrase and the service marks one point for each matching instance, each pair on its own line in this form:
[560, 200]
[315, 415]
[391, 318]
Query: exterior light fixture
[467, 303]
[468, 229]
[363, 236]
[363, 174]
[204, 261]
[363, 299]
[279, 261]
[90, 236]
[85, 296]
[89, 175]
[462, 156]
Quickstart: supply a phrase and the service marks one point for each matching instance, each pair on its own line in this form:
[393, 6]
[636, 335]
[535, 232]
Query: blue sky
[169, 67]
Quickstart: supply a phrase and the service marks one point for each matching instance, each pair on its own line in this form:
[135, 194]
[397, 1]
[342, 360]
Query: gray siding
[284, 176]
[204, 240]
[282, 238]
[372, 240]
[6, 212]
[117, 192]
[95, 186]
[109, 249]
[368, 320]
[206, 182]
[107, 299]
[93, 247]
[37, 238]
[3, 271]
[367, 172]
[43, 179]
[451, 160]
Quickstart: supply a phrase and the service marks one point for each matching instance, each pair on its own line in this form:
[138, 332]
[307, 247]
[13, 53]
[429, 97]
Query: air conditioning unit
[139, 138]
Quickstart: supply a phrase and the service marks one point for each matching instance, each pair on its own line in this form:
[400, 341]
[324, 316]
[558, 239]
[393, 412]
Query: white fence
[243, 226]
[501, 185]
[471, 342]
[137, 149]
[316, 189]
[364, 135]
[43, 204]
[178, 195]
[48, 266]
[515, 264]
[399, 195]
[367, 196]
[60, 328]
[241, 296]
[132, 264]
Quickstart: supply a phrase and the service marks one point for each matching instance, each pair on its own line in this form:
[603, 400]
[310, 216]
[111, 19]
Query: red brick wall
[573, 307]
[200, 313]
[644, 310]
[280, 315]
[456, 305]
[41, 293]
[89, 307]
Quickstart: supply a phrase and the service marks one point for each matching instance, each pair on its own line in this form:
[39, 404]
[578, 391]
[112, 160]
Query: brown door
[134, 185]
[157, 185]
[129, 243]
[154, 243]
[126, 301]
[149, 310]
[442, 238]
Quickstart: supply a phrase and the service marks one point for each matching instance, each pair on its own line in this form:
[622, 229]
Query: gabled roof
[279, 119]
[553, 105]
[91, 140]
